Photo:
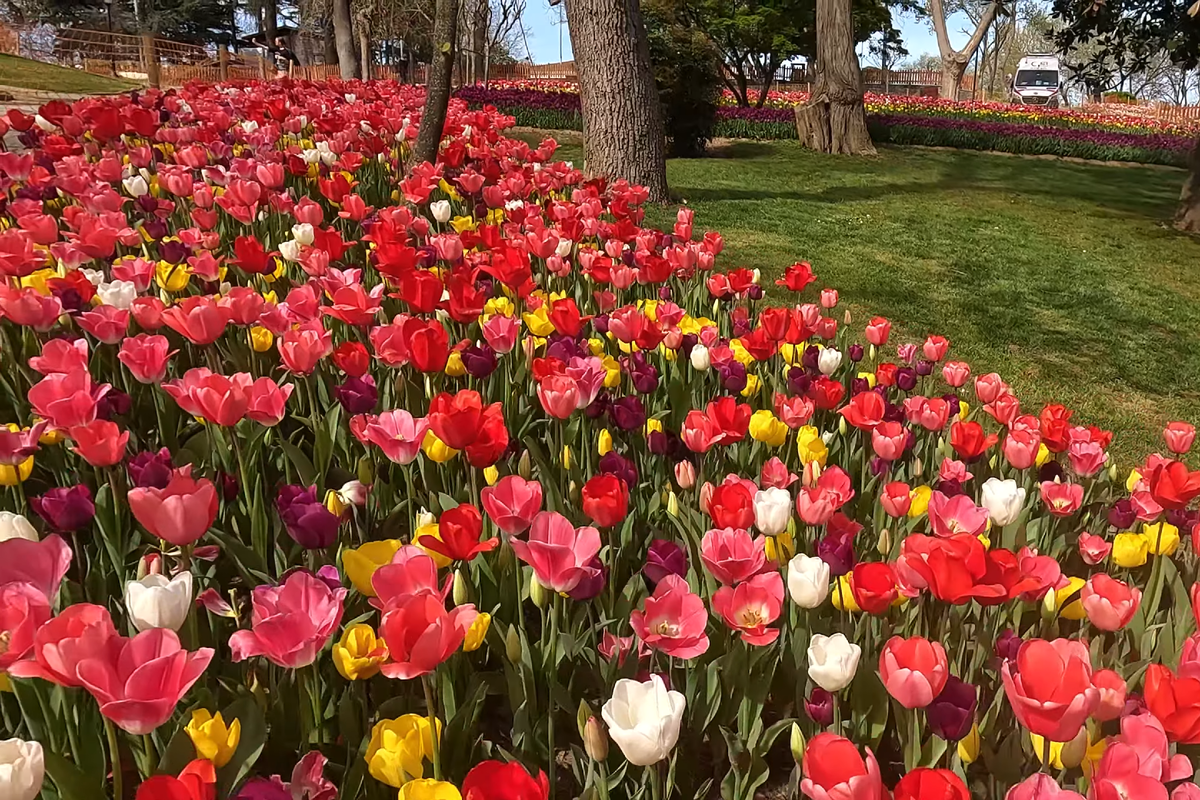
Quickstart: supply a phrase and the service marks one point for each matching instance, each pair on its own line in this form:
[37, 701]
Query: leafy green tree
[687, 72]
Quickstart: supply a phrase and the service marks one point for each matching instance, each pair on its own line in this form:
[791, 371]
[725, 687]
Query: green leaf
[253, 739]
[326, 438]
[304, 467]
[70, 780]
[446, 501]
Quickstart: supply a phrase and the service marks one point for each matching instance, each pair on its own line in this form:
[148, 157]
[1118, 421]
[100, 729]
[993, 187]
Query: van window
[1037, 77]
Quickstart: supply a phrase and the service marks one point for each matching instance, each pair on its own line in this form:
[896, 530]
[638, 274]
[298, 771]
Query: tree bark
[343, 35]
[479, 40]
[270, 19]
[437, 92]
[364, 47]
[954, 62]
[952, 75]
[834, 120]
[622, 119]
[330, 43]
[1187, 215]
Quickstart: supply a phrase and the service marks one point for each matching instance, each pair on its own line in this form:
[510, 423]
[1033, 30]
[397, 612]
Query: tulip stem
[1046, 754]
[552, 679]
[434, 737]
[114, 757]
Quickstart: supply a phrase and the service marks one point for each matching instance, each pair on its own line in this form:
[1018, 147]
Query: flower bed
[330, 475]
[903, 120]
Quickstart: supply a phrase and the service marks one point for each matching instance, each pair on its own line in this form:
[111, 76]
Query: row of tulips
[327, 474]
[902, 120]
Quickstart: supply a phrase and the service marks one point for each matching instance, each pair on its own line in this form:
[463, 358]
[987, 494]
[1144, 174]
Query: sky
[545, 35]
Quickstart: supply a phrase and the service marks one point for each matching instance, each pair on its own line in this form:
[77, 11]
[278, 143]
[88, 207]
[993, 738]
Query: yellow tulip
[261, 339]
[477, 632]
[811, 446]
[604, 442]
[1130, 550]
[5, 683]
[791, 353]
[1095, 749]
[429, 789]
[781, 548]
[454, 365]
[461, 224]
[11, 476]
[1162, 538]
[491, 475]
[843, 597]
[920, 501]
[436, 450]
[1066, 600]
[753, 384]
[538, 322]
[653, 425]
[39, 281]
[213, 739]
[444, 185]
[964, 409]
[334, 503]
[612, 372]
[172, 277]
[596, 346]
[360, 563]
[499, 307]
[740, 353]
[359, 652]
[767, 428]
[968, 746]
[1133, 480]
[1043, 454]
[399, 747]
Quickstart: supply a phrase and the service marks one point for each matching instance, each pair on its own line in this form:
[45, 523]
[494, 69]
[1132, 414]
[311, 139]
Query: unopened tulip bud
[871, 352]
[566, 457]
[846, 318]
[366, 471]
[685, 474]
[672, 504]
[1112, 472]
[1049, 605]
[512, 645]
[491, 475]
[150, 564]
[798, 744]
[537, 592]
[1074, 751]
[461, 593]
[842, 426]
[524, 468]
[968, 746]
[918, 467]
[425, 518]
[595, 740]
[884, 545]
[812, 471]
[428, 389]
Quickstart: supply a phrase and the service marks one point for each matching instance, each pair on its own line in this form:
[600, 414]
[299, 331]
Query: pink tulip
[1138, 762]
[80, 632]
[17, 446]
[888, 440]
[774, 474]
[751, 606]
[398, 434]
[949, 516]
[1041, 787]
[559, 395]
[100, 443]
[1093, 549]
[67, 400]
[139, 681]
[29, 308]
[512, 503]
[106, 323]
[833, 770]
[218, 399]
[61, 355]
[421, 634]
[1179, 436]
[1087, 458]
[1112, 689]
[291, 622]
[266, 401]
[914, 671]
[1062, 499]
[1110, 604]
[558, 551]
[732, 555]
[23, 611]
[301, 349]
[501, 332]
[42, 564]
[181, 512]
[146, 356]
[673, 621]
[1020, 448]
[1186, 791]
[411, 571]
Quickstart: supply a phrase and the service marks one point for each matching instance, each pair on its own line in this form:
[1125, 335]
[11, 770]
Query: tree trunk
[437, 90]
[834, 120]
[1187, 215]
[952, 75]
[364, 48]
[343, 35]
[270, 19]
[330, 43]
[479, 40]
[622, 119]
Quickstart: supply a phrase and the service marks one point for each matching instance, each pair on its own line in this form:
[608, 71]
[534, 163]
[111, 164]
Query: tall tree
[343, 36]
[437, 90]
[622, 122]
[1130, 33]
[954, 62]
[834, 120]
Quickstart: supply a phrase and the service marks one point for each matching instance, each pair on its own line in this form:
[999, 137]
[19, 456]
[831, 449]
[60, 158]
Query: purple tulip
[628, 413]
[664, 558]
[479, 360]
[855, 351]
[67, 508]
[836, 549]
[906, 379]
[307, 520]
[151, 470]
[357, 395]
[952, 713]
[613, 463]
[819, 707]
[1122, 516]
[595, 577]
[1007, 645]
[229, 485]
[924, 367]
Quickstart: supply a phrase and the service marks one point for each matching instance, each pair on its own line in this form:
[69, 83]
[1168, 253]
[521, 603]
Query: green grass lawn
[27, 74]
[1062, 277]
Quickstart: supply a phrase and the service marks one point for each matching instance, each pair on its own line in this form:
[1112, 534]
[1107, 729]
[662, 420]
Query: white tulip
[43, 123]
[22, 769]
[832, 661]
[513, 205]
[772, 510]
[328, 158]
[466, 134]
[829, 360]
[643, 719]
[302, 232]
[563, 248]
[700, 358]
[15, 526]
[249, 126]
[310, 156]
[440, 210]
[353, 493]
[157, 601]
[135, 185]
[350, 98]
[808, 581]
[95, 276]
[290, 250]
[119, 294]
[1003, 500]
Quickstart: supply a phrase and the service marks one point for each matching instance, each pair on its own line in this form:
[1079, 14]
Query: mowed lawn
[1064, 278]
[27, 74]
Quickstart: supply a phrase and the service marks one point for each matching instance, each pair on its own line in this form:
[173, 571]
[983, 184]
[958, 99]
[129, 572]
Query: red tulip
[731, 418]
[197, 781]
[924, 783]
[864, 411]
[421, 634]
[1049, 686]
[458, 534]
[100, 443]
[874, 587]
[1173, 486]
[181, 512]
[139, 681]
[352, 358]
[145, 356]
[914, 671]
[512, 503]
[731, 506]
[428, 345]
[495, 780]
[968, 440]
[1175, 701]
[491, 440]
[455, 418]
[606, 500]
[833, 770]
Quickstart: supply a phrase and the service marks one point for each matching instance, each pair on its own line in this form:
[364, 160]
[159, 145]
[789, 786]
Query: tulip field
[326, 474]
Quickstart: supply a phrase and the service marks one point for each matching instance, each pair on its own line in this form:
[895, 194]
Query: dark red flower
[606, 500]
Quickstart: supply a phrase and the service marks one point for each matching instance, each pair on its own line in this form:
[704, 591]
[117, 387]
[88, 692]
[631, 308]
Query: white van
[1037, 81]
